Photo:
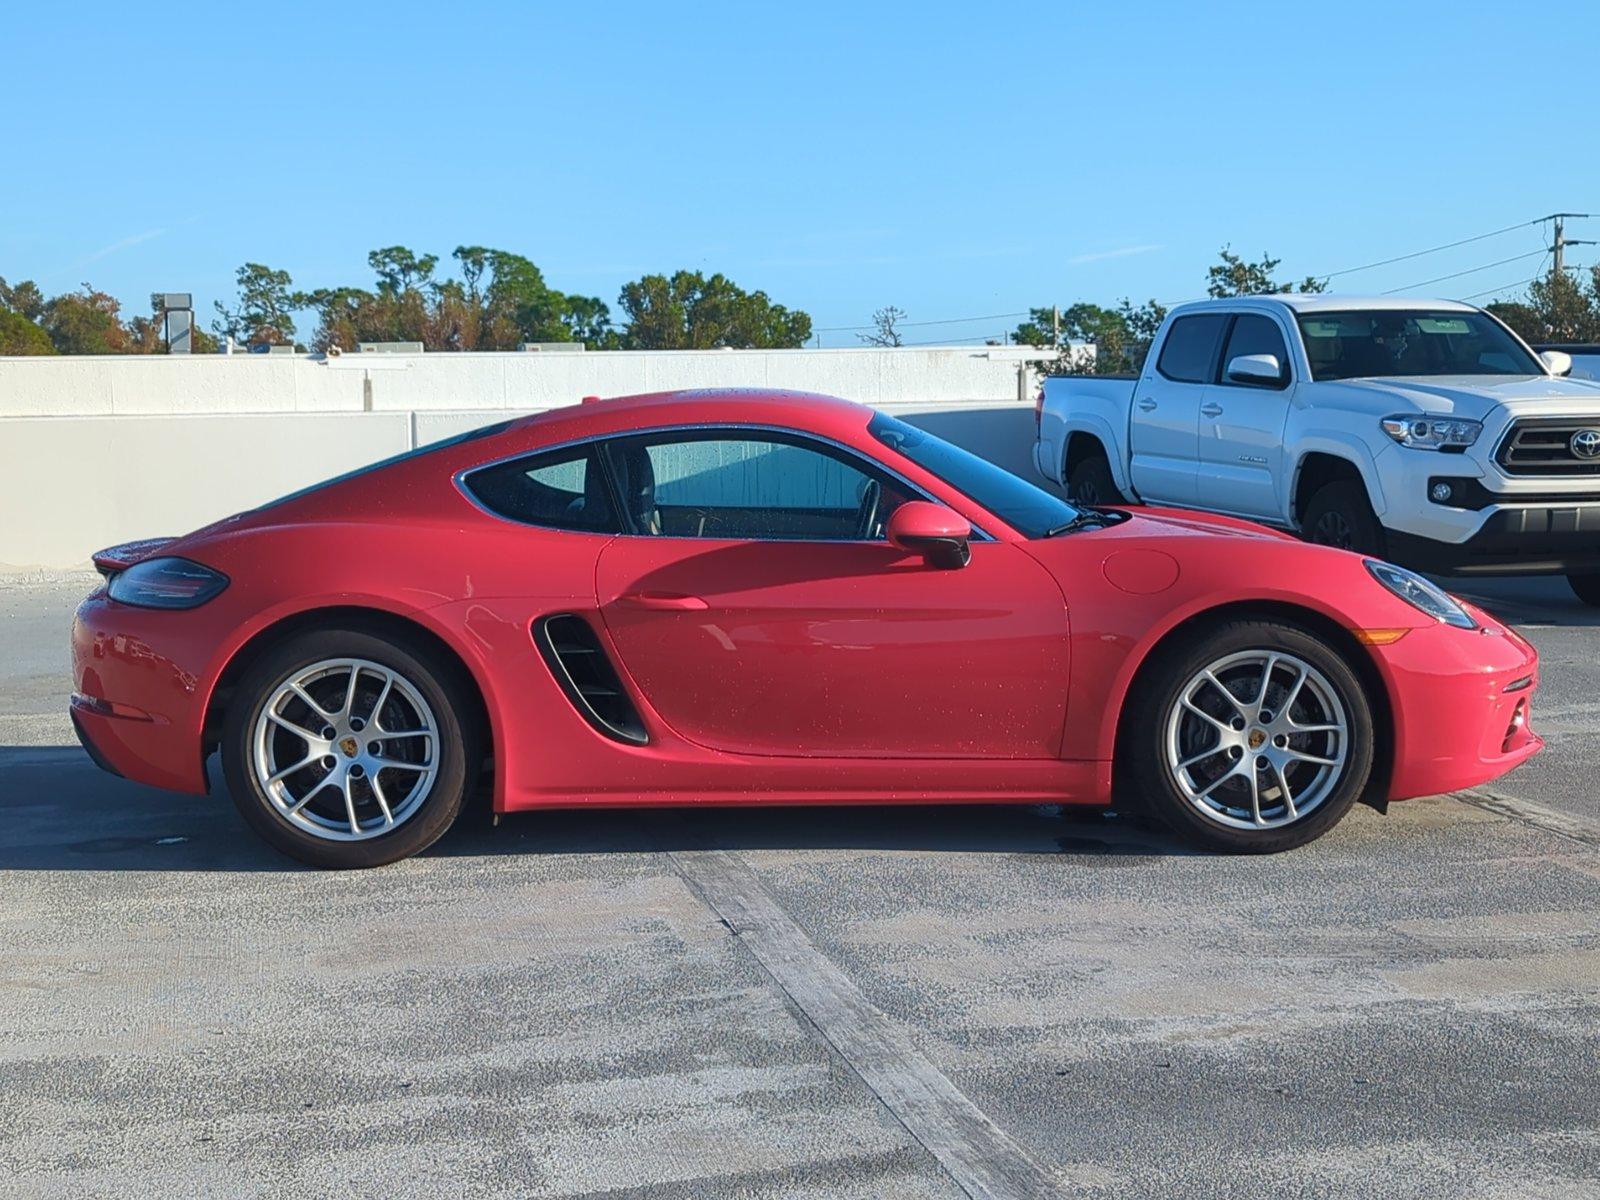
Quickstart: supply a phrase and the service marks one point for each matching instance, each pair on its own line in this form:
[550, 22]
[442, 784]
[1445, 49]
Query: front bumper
[1537, 539]
[1493, 523]
[1462, 706]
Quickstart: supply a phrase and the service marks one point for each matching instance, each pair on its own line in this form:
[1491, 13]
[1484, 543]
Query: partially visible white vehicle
[1585, 357]
[1423, 431]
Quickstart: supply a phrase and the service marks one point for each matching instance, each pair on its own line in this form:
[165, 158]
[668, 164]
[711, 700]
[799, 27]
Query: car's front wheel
[344, 749]
[1252, 736]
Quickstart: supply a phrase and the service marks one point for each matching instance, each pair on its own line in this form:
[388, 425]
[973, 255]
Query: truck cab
[1420, 430]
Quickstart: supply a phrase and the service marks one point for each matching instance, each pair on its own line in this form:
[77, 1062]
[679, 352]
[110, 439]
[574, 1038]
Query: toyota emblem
[1586, 443]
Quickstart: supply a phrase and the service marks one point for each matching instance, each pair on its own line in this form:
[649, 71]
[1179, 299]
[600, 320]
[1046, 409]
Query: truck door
[1164, 433]
[1241, 426]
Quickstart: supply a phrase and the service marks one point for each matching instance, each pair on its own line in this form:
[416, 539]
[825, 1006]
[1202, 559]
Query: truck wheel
[1090, 482]
[1586, 588]
[1339, 514]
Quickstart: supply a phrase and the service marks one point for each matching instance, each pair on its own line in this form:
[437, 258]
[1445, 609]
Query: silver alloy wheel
[346, 749]
[1257, 740]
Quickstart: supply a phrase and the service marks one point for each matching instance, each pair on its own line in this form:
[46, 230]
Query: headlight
[1429, 433]
[1420, 594]
[166, 583]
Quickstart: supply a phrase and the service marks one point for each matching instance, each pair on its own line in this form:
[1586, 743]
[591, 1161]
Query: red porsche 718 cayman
[753, 597]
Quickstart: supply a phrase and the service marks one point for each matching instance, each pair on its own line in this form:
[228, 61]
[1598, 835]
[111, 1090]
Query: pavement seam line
[1529, 813]
[983, 1160]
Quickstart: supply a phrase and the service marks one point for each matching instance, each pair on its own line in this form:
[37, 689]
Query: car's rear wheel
[1090, 481]
[1340, 514]
[1253, 736]
[344, 749]
[1586, 588]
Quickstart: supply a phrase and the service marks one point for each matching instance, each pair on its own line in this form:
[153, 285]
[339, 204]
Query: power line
[983, 338]
[1431, 249]
[1469, 271]
[1502, 288]
[919, 324]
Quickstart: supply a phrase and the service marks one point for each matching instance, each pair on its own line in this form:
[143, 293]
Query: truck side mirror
[1258, 370]
[1557, 362]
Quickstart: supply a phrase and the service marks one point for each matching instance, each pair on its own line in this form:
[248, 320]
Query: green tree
[588, 320]
[263, 313]
[18, 335]
[86, 322]
[1235, 277]
[1121, 336]
[500, 300]
[23, 298]
[1563, 308]
[688, 311]
[399, 270]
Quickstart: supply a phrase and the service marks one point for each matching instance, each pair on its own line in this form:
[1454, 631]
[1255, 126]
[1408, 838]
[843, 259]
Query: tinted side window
[561, 489]
[738, 485]
[1191, 347]
[1255, 334]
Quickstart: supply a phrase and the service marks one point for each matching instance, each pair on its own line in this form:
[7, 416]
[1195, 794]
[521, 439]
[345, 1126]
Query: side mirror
[1260, 370]
[933, 531]
[1557, 362]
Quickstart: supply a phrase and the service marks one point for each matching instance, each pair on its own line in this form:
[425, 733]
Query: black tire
[1143, 748]
[1340, 514]
[1090, 481]
[440, 684]
[1586, 588]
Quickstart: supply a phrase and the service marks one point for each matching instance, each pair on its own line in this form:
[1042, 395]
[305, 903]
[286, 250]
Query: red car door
[822, 639]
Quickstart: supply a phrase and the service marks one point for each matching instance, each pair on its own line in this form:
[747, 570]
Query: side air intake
[575, 657]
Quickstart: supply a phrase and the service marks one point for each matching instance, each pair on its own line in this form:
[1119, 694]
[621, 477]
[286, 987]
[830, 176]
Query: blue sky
[954, 160]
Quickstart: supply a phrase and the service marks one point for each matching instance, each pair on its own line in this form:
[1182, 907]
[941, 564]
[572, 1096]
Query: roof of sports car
[815, 411]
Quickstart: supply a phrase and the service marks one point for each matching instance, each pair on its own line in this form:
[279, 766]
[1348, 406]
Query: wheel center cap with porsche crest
[349, 746]
[1585, 443]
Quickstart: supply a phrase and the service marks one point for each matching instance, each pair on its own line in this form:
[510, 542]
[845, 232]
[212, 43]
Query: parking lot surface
[876, 1002]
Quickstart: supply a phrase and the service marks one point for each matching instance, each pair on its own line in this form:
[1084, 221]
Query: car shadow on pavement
[61, 813]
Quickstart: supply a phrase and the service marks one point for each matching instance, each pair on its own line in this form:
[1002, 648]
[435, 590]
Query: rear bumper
[90, 746]
[137, 709]
[1462, 706]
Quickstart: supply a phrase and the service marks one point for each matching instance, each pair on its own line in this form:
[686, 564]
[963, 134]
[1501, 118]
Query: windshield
[1363, 345]
[1031, 511]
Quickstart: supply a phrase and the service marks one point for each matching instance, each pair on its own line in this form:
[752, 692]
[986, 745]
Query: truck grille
[1545, 447]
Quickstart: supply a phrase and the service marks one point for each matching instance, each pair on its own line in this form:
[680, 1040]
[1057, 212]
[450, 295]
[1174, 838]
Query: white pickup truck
[1422, 431]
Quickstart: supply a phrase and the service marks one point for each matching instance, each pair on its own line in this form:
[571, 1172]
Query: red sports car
[752, 597]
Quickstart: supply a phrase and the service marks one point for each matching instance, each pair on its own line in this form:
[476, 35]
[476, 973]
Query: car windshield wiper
[1087, 518]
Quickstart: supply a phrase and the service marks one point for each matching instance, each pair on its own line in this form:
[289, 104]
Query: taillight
[166, 583]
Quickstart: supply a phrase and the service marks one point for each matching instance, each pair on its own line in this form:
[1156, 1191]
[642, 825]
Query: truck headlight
[1432, 433]
[1421, 594]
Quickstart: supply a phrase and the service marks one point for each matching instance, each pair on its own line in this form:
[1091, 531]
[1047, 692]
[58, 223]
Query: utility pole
[1055, 325]
[1561, 241]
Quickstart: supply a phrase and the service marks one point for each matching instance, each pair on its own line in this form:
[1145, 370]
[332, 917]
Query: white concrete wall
[99, 450]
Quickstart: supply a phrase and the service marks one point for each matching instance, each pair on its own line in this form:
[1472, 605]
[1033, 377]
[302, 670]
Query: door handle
[1147, 405]
[663, 601]
[1211, 410]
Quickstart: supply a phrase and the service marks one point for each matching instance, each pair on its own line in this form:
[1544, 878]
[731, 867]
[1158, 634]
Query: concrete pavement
[565, 1006]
